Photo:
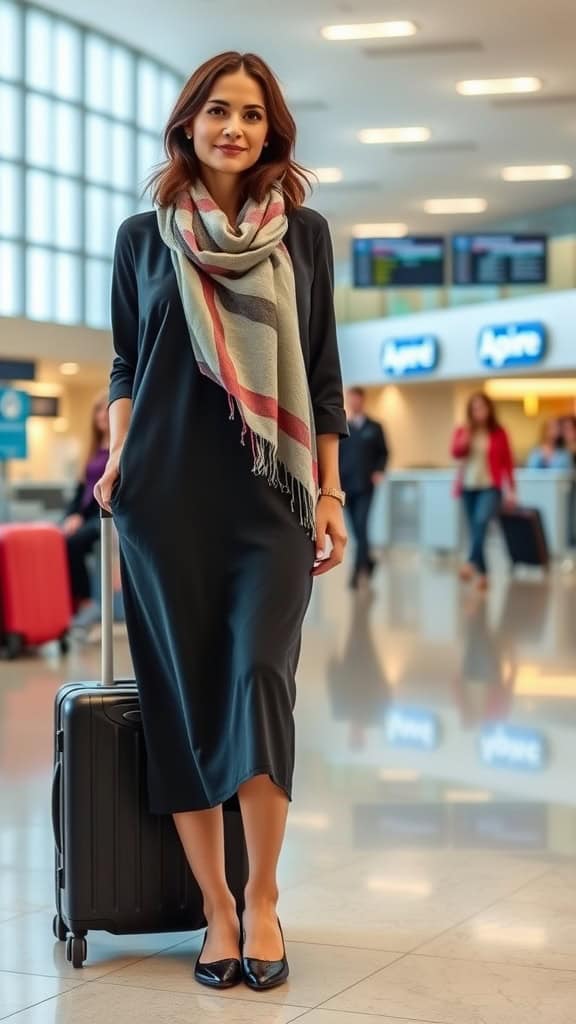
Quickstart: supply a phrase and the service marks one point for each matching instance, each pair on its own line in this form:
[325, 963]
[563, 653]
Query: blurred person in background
[363, 460]
[569, 437]
[485, 478]
[551, 453]
[82, 523]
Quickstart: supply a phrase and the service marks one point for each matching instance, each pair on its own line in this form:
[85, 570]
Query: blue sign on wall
[408, 357]
[14, 411]
[412, 727]
[510, 746]
[520, 344]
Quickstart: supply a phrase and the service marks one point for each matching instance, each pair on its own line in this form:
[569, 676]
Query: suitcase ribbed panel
[124, 870]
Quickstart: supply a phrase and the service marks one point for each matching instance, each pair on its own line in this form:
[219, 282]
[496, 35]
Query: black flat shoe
[261, 975]
[220, 974]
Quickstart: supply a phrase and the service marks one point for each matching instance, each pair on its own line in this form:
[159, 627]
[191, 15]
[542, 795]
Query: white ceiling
[352, 91]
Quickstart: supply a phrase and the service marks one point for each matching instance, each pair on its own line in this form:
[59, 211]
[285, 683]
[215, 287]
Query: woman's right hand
[104, 487]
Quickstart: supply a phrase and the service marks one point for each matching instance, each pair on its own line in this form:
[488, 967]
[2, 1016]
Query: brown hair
[96, 435]
[276, 163]
[491, 421]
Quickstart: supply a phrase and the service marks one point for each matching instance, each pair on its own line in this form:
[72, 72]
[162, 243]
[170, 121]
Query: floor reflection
[434, 786]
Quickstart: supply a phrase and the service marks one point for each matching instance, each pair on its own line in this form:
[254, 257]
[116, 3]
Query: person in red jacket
[485, 477]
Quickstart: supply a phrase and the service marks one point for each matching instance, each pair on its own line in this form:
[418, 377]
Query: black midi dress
[215, 564]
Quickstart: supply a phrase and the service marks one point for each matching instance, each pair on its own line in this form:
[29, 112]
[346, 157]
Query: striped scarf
[239, 297]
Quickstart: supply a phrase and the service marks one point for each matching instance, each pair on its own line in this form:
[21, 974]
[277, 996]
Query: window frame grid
[23, 165]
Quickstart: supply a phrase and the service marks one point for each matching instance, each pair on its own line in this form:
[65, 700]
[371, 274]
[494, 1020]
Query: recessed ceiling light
[498, 86]
[328, 175]
[387, 230]
[455, 205]
[69, 369]
[373, 30]
[383, 136]
[544, 172]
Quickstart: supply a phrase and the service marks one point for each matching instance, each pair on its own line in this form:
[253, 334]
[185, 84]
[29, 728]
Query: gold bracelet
[333, 492]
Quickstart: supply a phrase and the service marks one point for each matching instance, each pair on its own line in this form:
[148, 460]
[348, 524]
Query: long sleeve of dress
[325, 378]
[124, 319]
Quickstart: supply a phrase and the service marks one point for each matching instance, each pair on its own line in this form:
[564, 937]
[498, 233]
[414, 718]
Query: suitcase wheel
[59, 928]
[13, 646]
[76, 950]
[64, 642]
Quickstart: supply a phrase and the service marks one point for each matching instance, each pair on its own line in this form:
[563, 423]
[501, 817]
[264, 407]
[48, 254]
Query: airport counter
[416, 508]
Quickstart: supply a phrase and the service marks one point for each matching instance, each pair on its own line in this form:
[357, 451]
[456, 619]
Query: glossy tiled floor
[428, 873]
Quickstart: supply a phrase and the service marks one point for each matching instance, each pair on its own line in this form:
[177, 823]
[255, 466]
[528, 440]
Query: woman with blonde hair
[82, 521]
[226, 411]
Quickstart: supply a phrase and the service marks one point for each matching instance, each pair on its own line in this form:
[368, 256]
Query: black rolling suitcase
[525, 538]
[118, 868]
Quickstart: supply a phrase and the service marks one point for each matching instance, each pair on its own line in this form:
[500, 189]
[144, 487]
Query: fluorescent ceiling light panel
[328, 175]
[69, 369]
[544, 172]
[387, 230]
[372, 30]
[391, 136]
[440, 206]
[498, 86]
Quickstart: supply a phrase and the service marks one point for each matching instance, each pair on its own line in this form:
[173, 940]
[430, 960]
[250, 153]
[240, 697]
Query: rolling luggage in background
[35, 598]
[118, 868]
[525, 537]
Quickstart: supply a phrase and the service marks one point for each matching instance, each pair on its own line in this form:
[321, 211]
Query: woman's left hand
[329, 523]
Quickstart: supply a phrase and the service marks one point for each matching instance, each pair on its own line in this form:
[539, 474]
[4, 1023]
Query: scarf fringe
[267, 464]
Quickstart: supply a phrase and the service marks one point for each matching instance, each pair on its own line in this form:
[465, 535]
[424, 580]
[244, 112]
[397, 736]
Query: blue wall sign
[14, 411]
[412, 727]
[512, 345]
[407, 357]
[510, 746]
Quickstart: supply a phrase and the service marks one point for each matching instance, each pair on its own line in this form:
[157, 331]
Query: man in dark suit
[363, 461]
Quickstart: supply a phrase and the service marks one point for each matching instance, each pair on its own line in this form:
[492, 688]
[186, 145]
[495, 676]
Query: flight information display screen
[413, 262]
[499, 259]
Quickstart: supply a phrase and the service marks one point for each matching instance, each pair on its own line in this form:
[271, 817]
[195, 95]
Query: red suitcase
[36, 603]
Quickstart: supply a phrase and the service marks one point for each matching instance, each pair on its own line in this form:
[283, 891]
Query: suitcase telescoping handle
[107, 598]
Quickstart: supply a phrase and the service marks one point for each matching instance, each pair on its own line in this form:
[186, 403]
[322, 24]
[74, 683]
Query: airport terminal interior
[428, 874]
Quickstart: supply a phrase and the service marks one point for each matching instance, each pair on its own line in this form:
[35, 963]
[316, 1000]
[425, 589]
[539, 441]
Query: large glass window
[10, 120]
[10, 279]
[10, 41]
[10, 200]
[81, 120]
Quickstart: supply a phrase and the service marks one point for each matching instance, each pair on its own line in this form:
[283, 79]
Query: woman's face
[230, 131]
[480, 410]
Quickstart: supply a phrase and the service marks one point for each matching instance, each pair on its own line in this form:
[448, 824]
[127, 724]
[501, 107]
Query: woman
[485, 477]
[226, 411]
[551, 452]
[82, 523]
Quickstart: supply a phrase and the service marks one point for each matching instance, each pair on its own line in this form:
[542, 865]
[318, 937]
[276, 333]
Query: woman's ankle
[219, 904]
[261, 896]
